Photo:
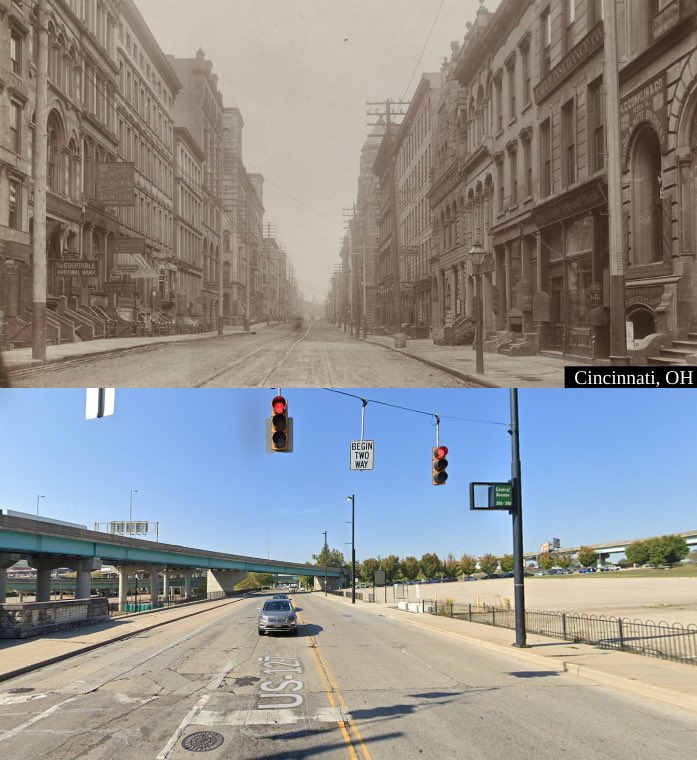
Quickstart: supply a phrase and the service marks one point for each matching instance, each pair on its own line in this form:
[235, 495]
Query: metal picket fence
[668, 641]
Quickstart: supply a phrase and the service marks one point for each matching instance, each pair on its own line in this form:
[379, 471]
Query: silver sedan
[277, 615]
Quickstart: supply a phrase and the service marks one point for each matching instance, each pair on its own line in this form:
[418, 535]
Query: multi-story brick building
[199, 108]
[413, 159]
[147, 88]
[188, 215]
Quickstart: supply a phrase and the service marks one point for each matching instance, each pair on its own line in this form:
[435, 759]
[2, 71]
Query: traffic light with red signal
[440, 464]
[279, 427]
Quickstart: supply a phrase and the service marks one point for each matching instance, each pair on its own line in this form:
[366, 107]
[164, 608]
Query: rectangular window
[16, 53]
[597, 13]
[527, 161]
[15, 127]
[568, 135]
[15, 205]
[513, 157]
[525, 57]
[569, 18]
[545, 159]
[510, 69]
[500, 181]
[596, 117]
[499, 104]
[545, 41]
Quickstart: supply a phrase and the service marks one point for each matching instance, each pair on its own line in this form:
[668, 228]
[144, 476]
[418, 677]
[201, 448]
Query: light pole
[130, 509]
[518, 570]
[325, 561]
[478, 254]
[37, 504]
[352, 499]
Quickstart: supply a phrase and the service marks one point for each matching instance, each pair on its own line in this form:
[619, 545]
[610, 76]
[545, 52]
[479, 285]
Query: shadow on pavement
[534, 673]
[309, 629]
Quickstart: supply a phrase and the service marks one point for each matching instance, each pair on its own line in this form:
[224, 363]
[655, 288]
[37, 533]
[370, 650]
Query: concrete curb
[90, 647]
[437, 365]
[602, 677]
[37, 364]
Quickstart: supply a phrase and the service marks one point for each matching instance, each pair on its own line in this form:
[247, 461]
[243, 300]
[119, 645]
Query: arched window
[226, 241]
[647, 208]
[73, 168]
[54, 148]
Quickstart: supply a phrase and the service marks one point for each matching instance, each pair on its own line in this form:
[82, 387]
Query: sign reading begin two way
[361, 453]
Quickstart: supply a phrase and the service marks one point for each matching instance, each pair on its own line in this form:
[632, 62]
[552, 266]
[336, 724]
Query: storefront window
[515, 273]
[579, 281]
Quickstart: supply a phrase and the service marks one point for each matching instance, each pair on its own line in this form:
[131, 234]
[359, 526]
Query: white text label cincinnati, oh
[672, 377]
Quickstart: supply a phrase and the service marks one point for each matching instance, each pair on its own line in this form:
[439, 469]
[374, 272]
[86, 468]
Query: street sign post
[361, 455]
[492, 496]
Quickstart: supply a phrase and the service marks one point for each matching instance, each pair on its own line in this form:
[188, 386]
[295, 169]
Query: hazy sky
[598, 465]
[301, 72]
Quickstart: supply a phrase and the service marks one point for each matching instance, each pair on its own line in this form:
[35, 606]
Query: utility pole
[518, 577]
[325, 561]
[352, 499]
[39, 263]
[618, 330]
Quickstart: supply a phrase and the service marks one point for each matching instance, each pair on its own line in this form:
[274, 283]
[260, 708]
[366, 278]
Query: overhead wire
[434, 415]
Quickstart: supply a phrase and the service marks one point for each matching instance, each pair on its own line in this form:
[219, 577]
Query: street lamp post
[130, 508]
[326, 548]
[352, 499]
[37, 504]
[478, 254]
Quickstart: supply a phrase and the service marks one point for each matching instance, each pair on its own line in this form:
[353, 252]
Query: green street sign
[501, 496]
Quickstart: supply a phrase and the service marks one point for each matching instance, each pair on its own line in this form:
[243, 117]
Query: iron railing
[668, 641]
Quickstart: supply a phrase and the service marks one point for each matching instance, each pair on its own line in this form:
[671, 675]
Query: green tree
[329, 557]
[638, 552]
[563, 561]
[587, 556]
[250, 583]
[430, 565]
[266, 579]
[390, 565]
[368, 568]
[307, 581]
[667, 550]
[468, 565]
[507, 563]
[451, 566]
[546, 561]
[410, 568]
[488, 564]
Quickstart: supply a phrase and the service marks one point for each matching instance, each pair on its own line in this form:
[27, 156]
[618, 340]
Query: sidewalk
[21, 358]
[500, 371]
[19, 656]
[660, 680]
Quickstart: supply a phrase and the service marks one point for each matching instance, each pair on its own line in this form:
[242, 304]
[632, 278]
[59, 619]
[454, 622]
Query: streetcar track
[244, 358]
[264, 381]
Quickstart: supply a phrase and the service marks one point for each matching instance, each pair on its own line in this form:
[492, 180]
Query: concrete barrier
[19, 621]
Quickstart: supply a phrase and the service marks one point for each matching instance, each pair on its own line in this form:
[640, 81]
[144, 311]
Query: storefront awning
[136, 265]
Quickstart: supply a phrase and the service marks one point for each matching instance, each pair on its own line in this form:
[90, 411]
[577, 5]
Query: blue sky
[597, 465]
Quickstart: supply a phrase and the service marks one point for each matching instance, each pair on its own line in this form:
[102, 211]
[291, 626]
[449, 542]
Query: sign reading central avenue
[362, 455]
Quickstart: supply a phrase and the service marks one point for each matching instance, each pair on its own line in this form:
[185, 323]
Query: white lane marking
[409, 654]
[8, 698]
[187, 720]
[14, 731]
[268, 717]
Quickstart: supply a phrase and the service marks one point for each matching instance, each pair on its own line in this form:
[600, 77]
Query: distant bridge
[48, 545]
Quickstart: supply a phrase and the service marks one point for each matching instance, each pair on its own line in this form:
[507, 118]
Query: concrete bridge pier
[154, 585]
[123, 587]
[43, 569]
[165, 585]
[332, 583]
[84, 569]
[6, 560]
[224, 580]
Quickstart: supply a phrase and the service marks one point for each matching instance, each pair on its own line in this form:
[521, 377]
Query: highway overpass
[48, 545]
[604, 550]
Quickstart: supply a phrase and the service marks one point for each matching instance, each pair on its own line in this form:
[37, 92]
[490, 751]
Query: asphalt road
[316, 356]
[353, 684]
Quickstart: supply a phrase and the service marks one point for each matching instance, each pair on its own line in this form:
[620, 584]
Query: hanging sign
[361, 455]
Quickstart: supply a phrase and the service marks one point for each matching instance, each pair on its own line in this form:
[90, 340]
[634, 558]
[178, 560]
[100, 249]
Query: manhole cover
[202, 741]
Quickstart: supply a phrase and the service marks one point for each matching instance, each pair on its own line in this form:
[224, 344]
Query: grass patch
[680, 571]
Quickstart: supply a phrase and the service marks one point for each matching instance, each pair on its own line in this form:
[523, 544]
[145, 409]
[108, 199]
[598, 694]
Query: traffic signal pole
[518, 577]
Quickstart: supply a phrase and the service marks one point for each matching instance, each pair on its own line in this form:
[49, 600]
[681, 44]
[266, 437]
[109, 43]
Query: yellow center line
[332, 688]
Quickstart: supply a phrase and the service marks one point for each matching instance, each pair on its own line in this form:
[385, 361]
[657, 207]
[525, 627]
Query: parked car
[507, 575]
[587, 570]
[277, 615]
